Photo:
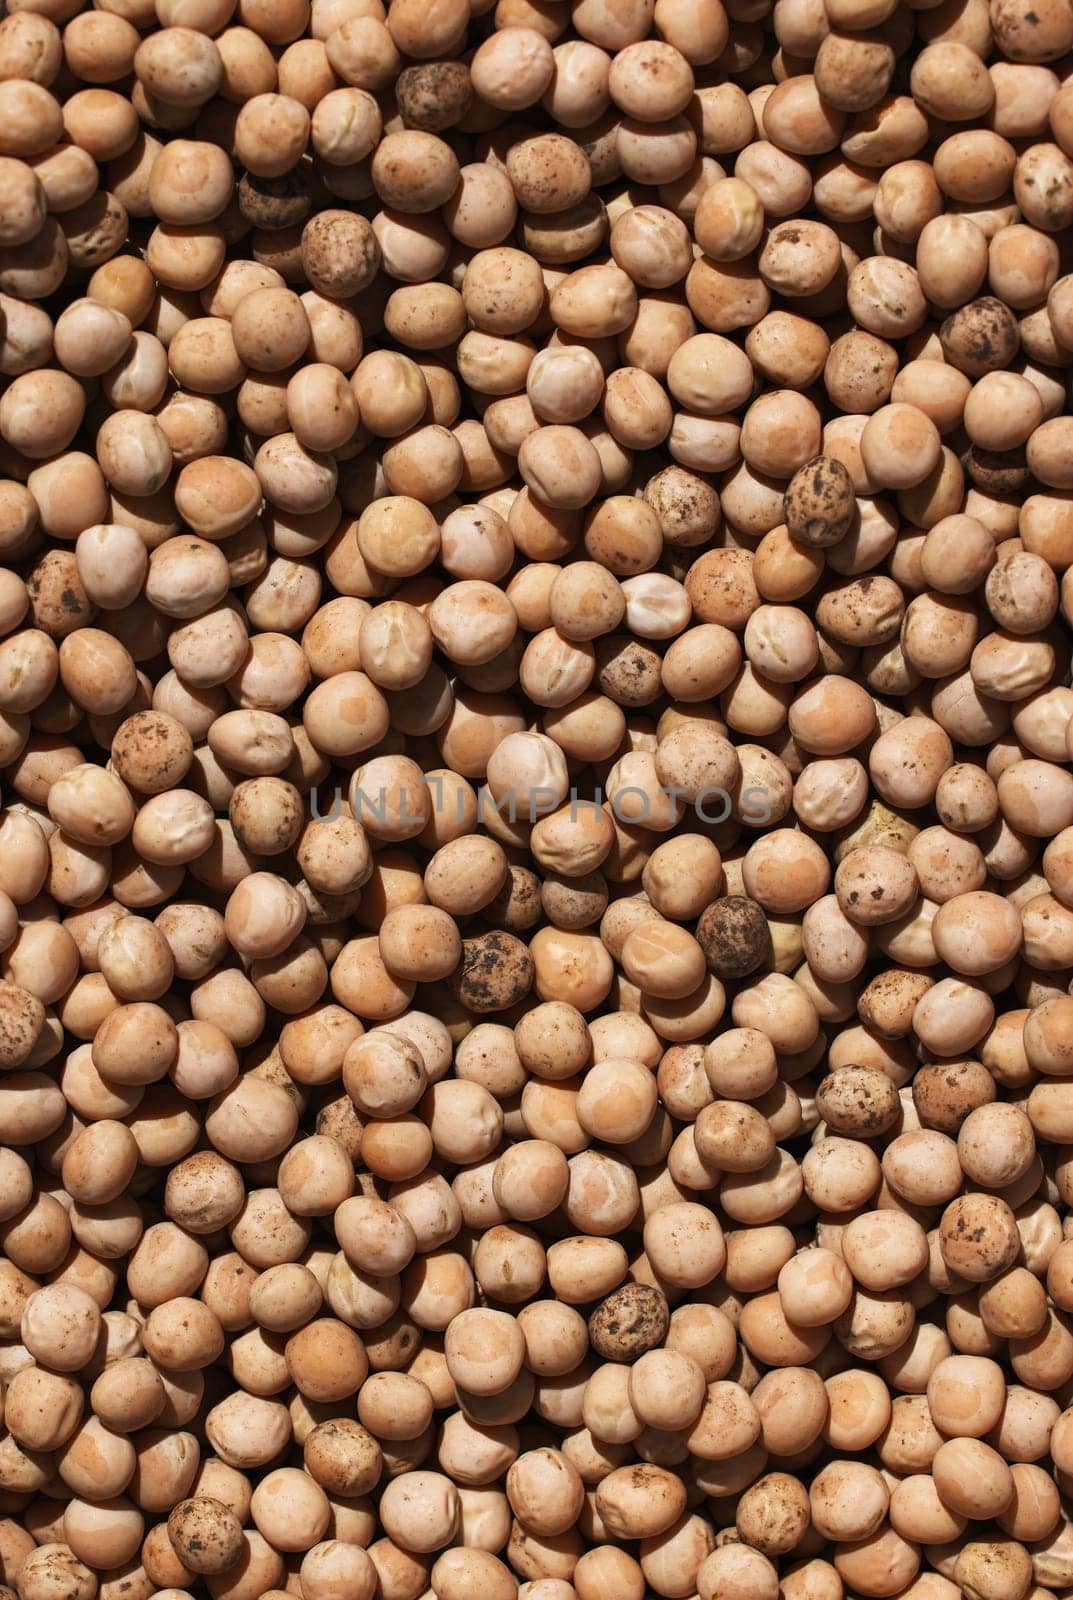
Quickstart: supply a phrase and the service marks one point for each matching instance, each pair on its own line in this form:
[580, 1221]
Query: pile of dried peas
[536, 871]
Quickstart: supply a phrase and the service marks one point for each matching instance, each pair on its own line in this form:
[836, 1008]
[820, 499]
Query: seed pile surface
[536, 749]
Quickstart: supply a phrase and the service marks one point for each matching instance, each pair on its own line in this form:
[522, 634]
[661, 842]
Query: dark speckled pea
[734, 935]
[946, 1092]
[205, 1535]
[858, 1102]
[980, 337]
[630, 1321]
[276, 202]
[434, 94]
[820, 504]
[496, 971]
[978, 1237]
